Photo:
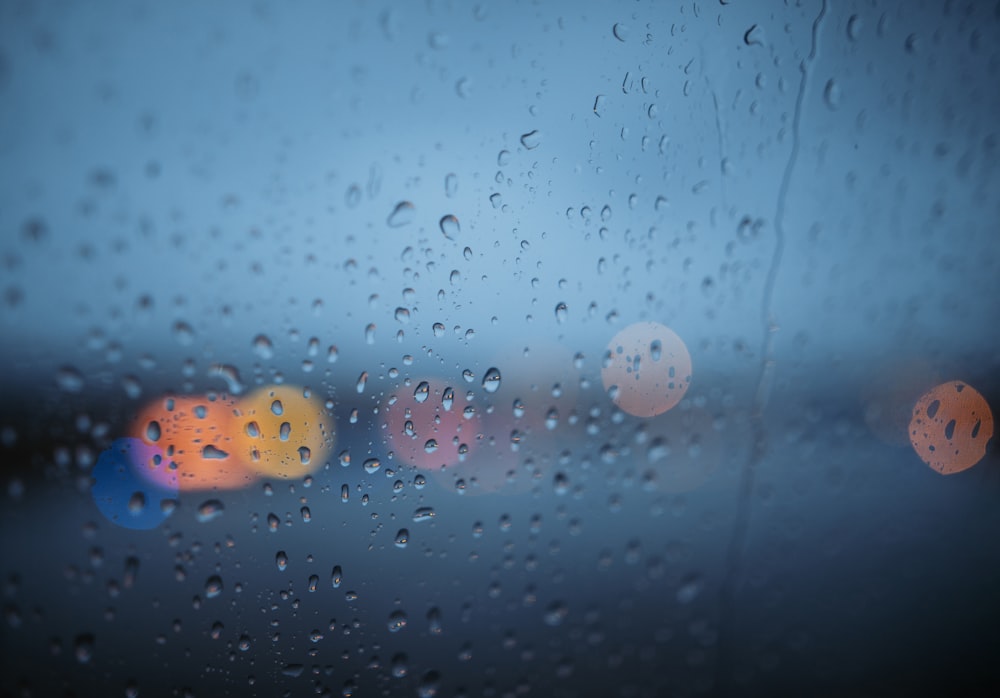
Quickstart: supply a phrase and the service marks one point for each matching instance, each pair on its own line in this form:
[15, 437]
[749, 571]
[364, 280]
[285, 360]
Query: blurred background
[473, 224]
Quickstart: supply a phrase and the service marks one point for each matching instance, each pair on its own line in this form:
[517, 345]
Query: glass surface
[555, 349]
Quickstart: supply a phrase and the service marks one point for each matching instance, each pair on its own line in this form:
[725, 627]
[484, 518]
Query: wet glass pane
[445, 348]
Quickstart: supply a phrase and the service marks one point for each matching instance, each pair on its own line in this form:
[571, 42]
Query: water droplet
[496, 200]
[491, 380]
[854, 27]
[83, 648]
[450, 184]
[402, 538]
[402, 315]
[353, 196]
[137, 503]
[213, 587]
[599, 102]
[362, 381]
[689, 589]
[448, 399]
[210, 510]
[831, 94]
[183, 333]
[561, 312]
[399, 665]
[306, 514]
[530, 140]
[273, 522]
[230, 374]
[556, 613]
[402, 215]
[69, 379]
[423, 514]
[371, 465]
[620, 31]
[422, 392]
[753, 36]
[336, 577]
[263, 346]
[397, 621]
[430, 684]
[281, 560]
[450, 227]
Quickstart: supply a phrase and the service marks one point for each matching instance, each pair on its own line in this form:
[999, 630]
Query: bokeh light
[282, 431]
[951, 427]
[646, 369]
[126, 498]
[196, 435]
[430, 424]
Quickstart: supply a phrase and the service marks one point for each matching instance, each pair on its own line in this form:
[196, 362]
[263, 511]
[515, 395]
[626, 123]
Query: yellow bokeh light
[283, 432]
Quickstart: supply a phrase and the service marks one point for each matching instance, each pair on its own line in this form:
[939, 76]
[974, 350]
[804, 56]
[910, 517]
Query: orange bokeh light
[950, 427]
[195, 434]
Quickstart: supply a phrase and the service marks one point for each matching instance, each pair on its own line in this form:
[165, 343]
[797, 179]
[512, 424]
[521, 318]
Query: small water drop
[561, 313]
[281, 560]
[263, 346]
[450, 227]
[753, 36]
[83, 648]
[423, 514]
[353, 196]
[401, 215]
[491, 380]
[402, 538]
[450, 184]
[213, 586]
[620, 31]
[69, 379]
[599, 102]
[397, 621]
[402, 315]
[336, 577]
[184, 333]
[854, 27]
[371, 465]
[422, 392]
[209, 510]
[831, 94]
[530, 140]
